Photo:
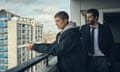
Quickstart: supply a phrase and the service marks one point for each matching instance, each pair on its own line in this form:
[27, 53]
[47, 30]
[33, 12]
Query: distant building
[15, 34]
[49, 37]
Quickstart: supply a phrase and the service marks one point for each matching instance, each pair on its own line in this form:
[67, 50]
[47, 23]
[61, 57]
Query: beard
[91, 22]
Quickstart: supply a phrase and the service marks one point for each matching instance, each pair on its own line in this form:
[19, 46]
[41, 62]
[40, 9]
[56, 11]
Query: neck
[65, 26]
[94, 25]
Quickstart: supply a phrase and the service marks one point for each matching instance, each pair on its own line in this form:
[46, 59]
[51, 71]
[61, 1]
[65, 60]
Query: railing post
[47, 61]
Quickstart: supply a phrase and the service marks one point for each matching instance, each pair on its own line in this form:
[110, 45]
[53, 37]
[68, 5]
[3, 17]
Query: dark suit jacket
[68, 51]
[105, 38]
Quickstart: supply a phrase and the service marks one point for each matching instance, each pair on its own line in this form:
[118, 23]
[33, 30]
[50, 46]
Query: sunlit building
[15, 34]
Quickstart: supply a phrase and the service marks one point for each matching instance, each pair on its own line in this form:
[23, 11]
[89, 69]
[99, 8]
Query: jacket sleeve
[65, 46]
[111, 44]
[110, 38]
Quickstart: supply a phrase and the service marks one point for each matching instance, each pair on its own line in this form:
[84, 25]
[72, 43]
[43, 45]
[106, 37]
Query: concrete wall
[75, 11]
[12, 44]
[99, 4]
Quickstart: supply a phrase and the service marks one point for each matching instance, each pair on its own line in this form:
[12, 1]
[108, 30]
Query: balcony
[47, 62]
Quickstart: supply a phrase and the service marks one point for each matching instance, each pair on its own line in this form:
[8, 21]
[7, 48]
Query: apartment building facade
[15, 34]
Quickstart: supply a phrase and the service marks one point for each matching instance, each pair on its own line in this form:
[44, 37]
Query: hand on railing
[30, 45]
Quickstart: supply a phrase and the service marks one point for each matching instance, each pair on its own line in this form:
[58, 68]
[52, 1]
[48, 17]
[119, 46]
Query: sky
[41, 10]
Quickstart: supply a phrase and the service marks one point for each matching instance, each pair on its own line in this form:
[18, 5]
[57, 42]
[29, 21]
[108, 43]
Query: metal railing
[26, 65]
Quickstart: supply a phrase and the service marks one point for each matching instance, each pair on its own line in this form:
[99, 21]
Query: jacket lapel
[100, 35]
[87, 31]
[58, 37]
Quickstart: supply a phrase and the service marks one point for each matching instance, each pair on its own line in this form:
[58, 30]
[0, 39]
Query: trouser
[97, 64]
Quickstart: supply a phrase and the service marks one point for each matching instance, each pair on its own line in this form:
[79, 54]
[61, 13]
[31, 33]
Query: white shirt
[97, 50]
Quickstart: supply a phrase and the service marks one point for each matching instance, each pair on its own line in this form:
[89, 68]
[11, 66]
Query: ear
[96, 18]
[65, 20]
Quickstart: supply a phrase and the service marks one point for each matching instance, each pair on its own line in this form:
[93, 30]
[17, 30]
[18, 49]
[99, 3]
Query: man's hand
[30, 45]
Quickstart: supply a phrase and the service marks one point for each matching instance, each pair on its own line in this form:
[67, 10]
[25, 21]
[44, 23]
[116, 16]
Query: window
[3, 36]
[3, 61]
[2, 30]
[3, 42]
[2, 24]
[3, 55]
[3, 67]
[3, 49]
[19, 55]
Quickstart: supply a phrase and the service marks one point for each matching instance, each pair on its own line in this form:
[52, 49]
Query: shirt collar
[69, 26]
[94, 26]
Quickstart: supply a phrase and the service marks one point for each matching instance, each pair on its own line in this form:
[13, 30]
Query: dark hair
[95, 12]
[62, 15]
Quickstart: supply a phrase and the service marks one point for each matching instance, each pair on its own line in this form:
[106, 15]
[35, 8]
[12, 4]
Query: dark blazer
[105, 39]
[68, 50]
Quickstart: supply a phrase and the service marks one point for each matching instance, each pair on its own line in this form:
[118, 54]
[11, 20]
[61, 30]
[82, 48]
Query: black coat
[68, 51]
[105, 40]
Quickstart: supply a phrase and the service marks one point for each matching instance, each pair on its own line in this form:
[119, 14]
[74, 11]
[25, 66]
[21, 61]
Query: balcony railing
[26, 65]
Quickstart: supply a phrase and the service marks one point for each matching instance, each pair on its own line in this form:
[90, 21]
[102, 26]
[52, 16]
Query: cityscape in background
[22, 22]
[15, 34]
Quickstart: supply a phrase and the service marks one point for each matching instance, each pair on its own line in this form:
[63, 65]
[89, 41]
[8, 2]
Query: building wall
[12, 44]
[99, 4]
[75, 11]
